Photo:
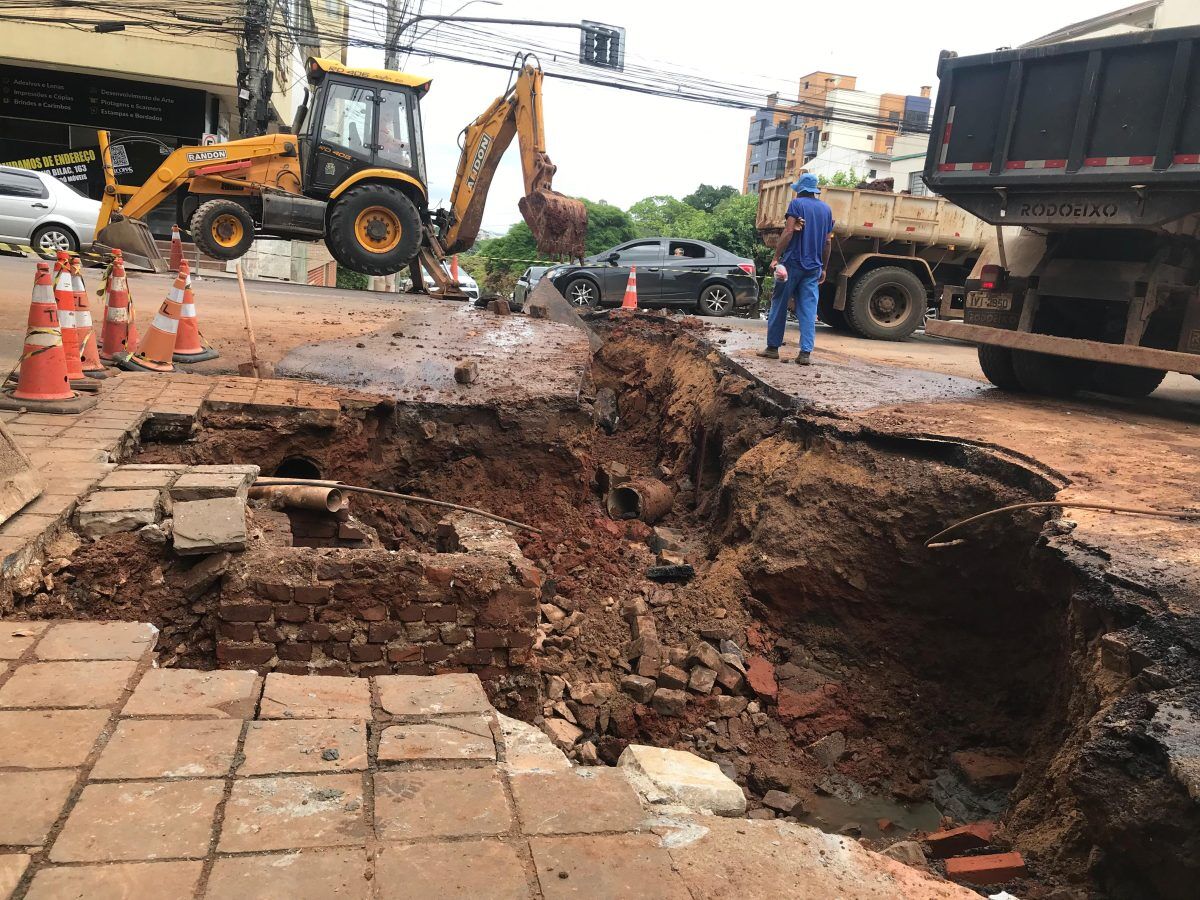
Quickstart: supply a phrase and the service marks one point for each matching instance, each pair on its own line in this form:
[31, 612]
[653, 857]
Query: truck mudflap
[1075, 348]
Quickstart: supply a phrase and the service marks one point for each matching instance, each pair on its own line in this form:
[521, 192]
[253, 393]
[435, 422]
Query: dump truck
[352, 171]
[1085, 157]
[893, 256]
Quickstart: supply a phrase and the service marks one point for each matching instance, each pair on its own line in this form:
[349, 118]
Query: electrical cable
[376, 492]
[1181, 514]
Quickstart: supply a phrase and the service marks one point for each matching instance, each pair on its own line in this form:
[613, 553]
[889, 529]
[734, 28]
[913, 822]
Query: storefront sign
[99, 102]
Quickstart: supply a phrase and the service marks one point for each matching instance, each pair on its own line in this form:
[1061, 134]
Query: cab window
[687, 250]
[395, 136]
[349, 118]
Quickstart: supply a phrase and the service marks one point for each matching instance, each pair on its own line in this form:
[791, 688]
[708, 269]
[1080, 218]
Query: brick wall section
[370, 612]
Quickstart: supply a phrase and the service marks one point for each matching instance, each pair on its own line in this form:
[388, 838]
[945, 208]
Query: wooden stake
[249, 326]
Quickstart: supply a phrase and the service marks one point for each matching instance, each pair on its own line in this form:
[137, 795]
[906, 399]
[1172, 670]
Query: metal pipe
[647, 499]
[324, 499]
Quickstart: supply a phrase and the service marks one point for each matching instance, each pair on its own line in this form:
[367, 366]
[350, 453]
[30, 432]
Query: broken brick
[673, 678]
[466, 372]
[987, 770]
[793, 705]
[944, 844]
[667, 702]
[639, 688]
[704, 654]
[992, 868]
[702, 680]
[760, 674]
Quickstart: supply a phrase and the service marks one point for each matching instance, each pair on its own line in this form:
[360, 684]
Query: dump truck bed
[928, 221]
[1102, 132]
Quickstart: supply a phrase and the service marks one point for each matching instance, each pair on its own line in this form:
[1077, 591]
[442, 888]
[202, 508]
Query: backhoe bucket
[136, 243]
[558, 223]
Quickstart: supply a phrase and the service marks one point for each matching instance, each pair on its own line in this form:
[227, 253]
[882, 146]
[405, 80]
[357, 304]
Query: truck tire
[374, 229]
[997, 365]
[1125, 381]
[222, 229]
[886, 304]
[834, 318]
[1053, 376]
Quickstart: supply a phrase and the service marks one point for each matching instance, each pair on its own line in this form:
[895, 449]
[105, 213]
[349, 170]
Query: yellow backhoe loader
[352, 171]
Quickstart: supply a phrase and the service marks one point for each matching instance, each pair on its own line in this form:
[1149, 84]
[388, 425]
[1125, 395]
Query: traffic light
[602, 46]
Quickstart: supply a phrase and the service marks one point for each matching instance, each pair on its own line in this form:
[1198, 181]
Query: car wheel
[716, 300]
[49, 239]
[582, 293]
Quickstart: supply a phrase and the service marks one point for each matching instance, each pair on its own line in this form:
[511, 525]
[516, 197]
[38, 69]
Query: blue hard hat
[807, 184]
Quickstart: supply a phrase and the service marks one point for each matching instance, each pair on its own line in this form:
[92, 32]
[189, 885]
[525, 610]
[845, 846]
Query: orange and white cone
[176, 249]
[158, 344]
[43, 364]
[190, 346]
[64, 296]
[630, 301]
[119, 337]
[88, 352]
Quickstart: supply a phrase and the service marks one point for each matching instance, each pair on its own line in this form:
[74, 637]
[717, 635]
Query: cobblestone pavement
[123, 780]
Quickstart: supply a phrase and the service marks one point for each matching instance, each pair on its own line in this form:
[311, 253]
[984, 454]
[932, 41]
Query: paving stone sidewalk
[123, 780]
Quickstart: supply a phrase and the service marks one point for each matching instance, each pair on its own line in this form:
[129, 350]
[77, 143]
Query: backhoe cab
[353, 172]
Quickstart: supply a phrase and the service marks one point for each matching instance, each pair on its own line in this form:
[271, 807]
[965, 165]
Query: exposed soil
[889, 660]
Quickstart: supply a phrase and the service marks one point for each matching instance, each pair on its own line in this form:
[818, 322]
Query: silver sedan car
[48, 214]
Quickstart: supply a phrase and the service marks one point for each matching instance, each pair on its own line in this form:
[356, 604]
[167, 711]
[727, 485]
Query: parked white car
[469, 285]
[48, 214]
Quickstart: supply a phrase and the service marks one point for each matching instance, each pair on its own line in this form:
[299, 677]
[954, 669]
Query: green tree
[733, 228]
[608, 226]
[663, 216]
[350, 280]
[840, 179]
[706, 198]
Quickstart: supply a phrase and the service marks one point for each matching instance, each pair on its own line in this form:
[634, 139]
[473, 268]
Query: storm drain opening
[782, 618]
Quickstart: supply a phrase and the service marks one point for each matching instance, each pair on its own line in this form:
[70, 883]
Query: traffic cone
[120, 335]
[64, 296]
[158, 344]
[176, 249]
[630, 301]
[43, 363]
[190, 346]
[88, 352]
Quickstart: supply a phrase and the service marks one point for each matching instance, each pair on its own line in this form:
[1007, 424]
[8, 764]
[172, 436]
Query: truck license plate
[983, 300]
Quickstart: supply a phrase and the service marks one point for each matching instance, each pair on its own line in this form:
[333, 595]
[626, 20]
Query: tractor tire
[997, 365]
[886, 304]
[374, 229]
[1125, 381]
[222, 229]
[1052, 376]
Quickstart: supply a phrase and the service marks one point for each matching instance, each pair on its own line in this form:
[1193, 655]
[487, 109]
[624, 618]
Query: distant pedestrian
[803, 250]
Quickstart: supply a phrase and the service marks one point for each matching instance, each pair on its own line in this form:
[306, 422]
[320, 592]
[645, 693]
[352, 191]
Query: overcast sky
[620, 147]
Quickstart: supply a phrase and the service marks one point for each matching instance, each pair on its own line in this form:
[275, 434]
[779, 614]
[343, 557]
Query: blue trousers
[800, 286]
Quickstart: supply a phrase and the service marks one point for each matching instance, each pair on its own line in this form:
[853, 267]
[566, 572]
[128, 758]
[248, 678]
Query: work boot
[769, 353]
[803, 359]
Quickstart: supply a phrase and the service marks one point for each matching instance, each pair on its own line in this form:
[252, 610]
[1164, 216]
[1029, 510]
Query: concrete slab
[685, 778]
[12, 868]
[66, 685]
[209, 526]
[185, 692]
[120, 881]
[421, 695]
[440, 741]
[315, 697]
[580, 800]
[294, 812]
[304, 746]
[49, 739]
[438, 870]
[112, 512]
[301, 875]
[169, 748]
[31, 802]
[629, 866]
[97, 640]
[440, 803]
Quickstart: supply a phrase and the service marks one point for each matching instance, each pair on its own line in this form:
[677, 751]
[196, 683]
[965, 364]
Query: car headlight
[554, 271]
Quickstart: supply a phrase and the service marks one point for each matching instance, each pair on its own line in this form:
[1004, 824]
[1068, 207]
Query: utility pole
[255, 80]
[395, 16]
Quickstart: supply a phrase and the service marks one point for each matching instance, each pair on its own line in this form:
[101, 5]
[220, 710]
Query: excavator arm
[558, 222]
